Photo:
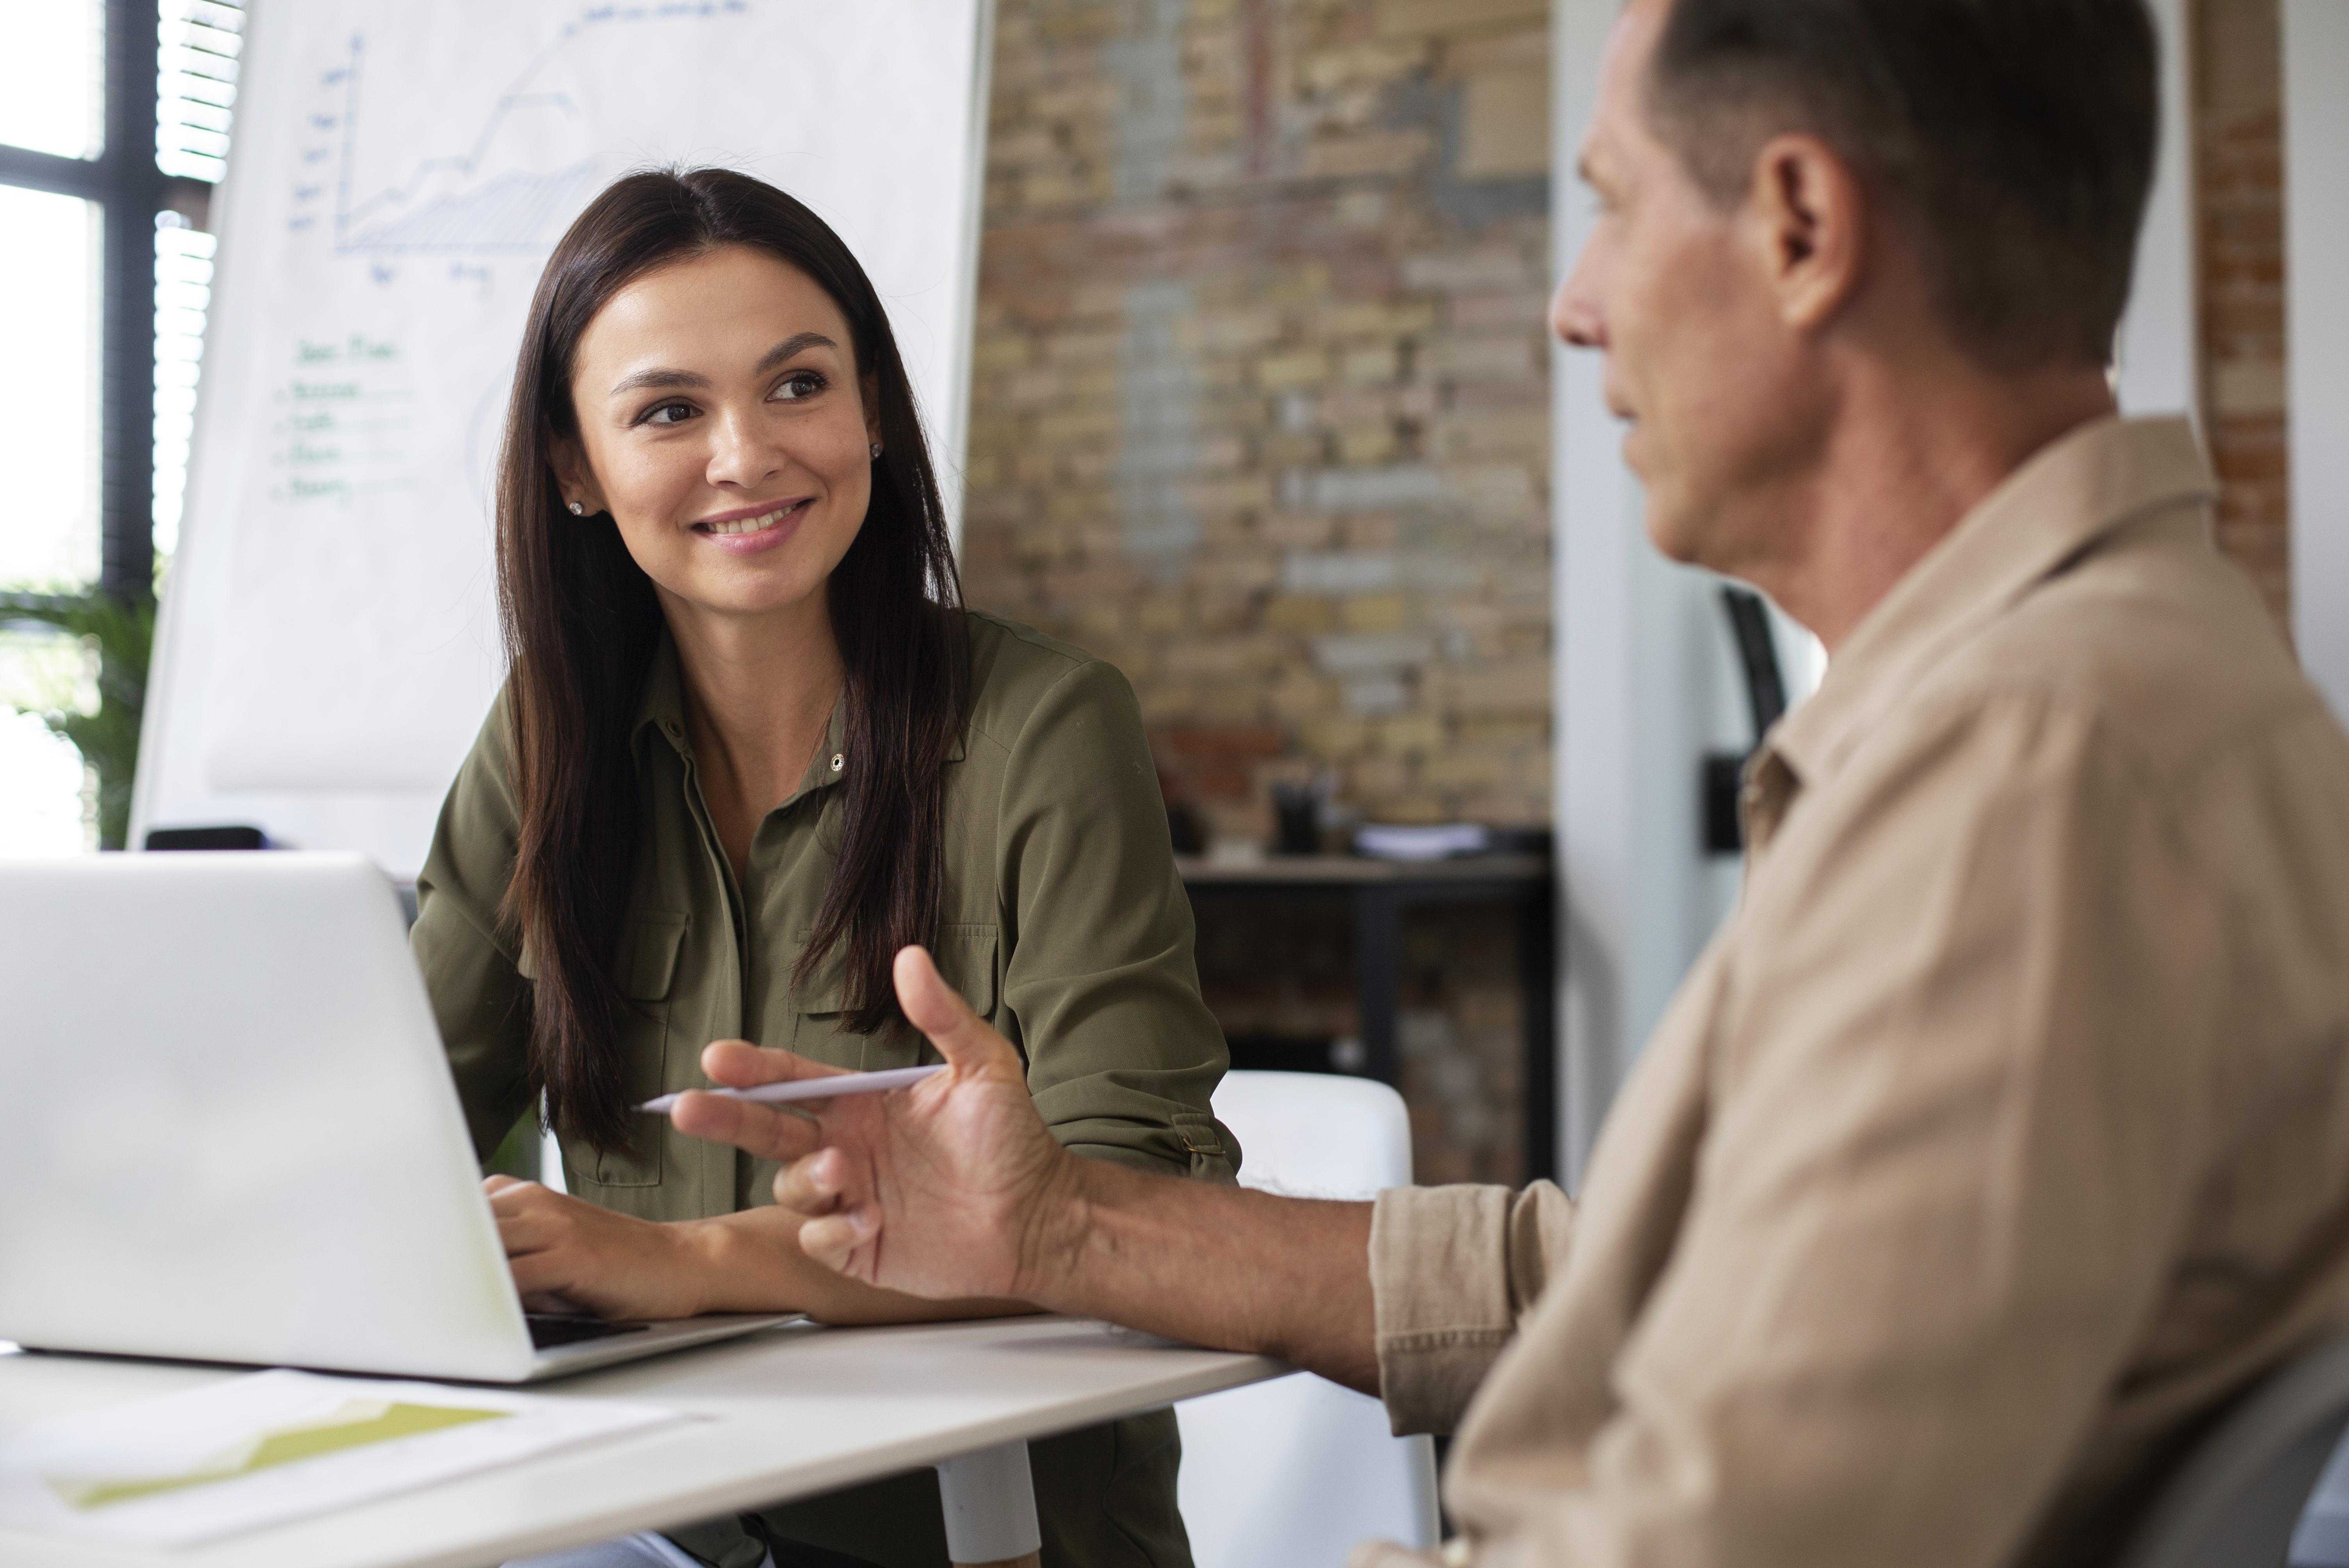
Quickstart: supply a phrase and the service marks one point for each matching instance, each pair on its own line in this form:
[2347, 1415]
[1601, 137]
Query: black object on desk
[1378, 892]
[229, 838]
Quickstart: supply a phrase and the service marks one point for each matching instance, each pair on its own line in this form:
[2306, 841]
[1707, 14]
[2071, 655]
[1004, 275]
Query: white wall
[2158, 355]
[1646, 681]
[2316, 210]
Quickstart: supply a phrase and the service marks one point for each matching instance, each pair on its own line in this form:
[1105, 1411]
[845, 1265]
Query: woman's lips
[750, 535]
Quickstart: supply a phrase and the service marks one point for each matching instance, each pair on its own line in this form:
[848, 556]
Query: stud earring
[578, 511]
[876, 449]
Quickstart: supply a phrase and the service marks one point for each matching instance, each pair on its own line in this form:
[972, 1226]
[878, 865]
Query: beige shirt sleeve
[1452, 1270]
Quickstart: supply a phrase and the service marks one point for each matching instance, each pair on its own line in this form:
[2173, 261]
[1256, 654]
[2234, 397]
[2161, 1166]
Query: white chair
[1290, 1474]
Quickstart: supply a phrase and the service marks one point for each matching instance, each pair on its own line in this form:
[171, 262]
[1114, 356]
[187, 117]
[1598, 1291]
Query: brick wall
[1261, 402]
[2239, 199]
[1261, 415]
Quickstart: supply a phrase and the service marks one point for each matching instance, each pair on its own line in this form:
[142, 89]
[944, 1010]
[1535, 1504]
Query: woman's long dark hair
[581, 626]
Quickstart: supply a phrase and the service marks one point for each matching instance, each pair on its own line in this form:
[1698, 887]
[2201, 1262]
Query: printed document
[261, 1450]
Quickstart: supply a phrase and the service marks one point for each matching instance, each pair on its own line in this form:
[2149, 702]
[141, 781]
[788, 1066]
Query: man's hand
[951, 1188]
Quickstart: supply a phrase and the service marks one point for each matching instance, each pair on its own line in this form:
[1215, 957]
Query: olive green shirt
[1066, 926]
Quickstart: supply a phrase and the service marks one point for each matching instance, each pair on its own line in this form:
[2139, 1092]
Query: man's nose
[1575, 316]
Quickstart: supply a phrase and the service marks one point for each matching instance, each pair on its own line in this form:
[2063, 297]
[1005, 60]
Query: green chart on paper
[358, 1424]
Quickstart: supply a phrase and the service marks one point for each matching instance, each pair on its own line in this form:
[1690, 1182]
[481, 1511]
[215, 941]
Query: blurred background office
[1261, 409]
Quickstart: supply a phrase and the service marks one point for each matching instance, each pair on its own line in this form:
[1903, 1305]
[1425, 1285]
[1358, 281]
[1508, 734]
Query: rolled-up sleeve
[1453, 1270]
[1102, 983]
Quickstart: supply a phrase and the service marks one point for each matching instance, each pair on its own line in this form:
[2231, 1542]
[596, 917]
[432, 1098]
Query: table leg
[1378, 979]
[990, 1498]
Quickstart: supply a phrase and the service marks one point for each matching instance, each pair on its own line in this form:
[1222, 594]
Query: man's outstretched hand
[946, 1189]
[954, 1188]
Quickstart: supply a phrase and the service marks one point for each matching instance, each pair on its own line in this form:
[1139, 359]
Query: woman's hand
[573, 1256]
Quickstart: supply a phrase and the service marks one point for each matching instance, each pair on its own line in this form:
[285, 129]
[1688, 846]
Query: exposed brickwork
[1261, 403]
[2239, 180]
[1260, 414]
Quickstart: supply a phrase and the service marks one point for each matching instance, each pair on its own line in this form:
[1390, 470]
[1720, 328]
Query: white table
[789, 1412]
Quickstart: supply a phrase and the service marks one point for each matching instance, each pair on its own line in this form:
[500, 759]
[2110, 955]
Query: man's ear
[573, 477]
[1809, 228]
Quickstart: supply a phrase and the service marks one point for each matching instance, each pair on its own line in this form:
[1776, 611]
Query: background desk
[791, 1412]
[1378, 892]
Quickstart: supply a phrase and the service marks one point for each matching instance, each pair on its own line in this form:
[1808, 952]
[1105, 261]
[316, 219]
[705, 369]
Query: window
[114, 124]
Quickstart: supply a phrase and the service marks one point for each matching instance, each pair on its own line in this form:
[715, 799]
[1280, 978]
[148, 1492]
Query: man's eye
[668, 414]
[798, 386]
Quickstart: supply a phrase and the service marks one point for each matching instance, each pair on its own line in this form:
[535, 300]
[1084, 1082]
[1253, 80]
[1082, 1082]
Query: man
[2004, 1133]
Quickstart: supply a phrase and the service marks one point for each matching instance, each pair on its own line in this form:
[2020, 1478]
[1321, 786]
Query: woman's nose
[742, 452]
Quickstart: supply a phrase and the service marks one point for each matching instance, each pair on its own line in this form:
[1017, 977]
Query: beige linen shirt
[2000, 1135]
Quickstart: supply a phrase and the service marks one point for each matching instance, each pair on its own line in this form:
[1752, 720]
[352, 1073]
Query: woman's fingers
[509, 1196]
[760, 1130]
[540, 1274]
[520, 1233]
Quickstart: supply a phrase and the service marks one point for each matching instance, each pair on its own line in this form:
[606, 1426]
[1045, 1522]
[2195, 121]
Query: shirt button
[835, 761]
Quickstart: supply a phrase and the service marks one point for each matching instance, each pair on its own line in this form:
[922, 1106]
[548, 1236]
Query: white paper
[214, 1462]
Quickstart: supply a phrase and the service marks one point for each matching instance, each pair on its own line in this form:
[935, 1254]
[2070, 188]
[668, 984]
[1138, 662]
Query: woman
[749, 747]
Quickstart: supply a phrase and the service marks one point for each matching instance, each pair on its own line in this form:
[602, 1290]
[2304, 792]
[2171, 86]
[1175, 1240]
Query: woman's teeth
[752, 524]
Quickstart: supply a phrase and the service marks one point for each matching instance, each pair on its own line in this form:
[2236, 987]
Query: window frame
[129, 191]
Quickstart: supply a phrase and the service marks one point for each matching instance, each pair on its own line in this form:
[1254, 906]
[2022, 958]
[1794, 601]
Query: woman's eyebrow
[657, 378]
[798, 343]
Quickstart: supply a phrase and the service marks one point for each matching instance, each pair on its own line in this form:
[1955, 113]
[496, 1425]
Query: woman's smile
[744, 531]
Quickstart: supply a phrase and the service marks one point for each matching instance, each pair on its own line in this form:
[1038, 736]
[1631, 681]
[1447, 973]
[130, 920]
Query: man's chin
[1672, 532]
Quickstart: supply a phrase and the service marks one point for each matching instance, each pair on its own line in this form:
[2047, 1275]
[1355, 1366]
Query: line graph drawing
[478, 199]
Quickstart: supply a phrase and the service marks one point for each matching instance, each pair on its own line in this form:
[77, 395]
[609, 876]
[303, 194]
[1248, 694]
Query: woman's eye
[798, 386]
[668, 414]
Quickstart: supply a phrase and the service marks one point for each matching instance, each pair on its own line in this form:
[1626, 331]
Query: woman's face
[723, 426]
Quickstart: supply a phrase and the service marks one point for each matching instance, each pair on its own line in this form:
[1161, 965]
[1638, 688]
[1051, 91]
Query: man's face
[1674, 289]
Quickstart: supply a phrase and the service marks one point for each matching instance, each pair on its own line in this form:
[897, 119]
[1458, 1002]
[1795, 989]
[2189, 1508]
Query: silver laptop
[227, 1131]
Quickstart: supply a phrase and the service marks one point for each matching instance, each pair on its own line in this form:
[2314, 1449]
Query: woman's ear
[868, 387]
[574, 479]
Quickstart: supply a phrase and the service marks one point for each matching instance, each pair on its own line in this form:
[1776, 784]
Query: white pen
[827, 1087]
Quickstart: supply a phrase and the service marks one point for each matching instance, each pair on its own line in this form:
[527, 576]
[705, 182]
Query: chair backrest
[1316, 1135]
[1290, 1474]
[2237, 1500]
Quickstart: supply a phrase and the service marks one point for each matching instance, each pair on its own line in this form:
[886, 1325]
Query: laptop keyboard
[548, 1330]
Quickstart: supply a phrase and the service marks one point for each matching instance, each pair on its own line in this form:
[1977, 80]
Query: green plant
[123, 631]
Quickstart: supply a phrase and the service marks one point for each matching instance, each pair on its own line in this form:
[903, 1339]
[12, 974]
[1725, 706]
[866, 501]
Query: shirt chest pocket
[648, 973]
[966, 957]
